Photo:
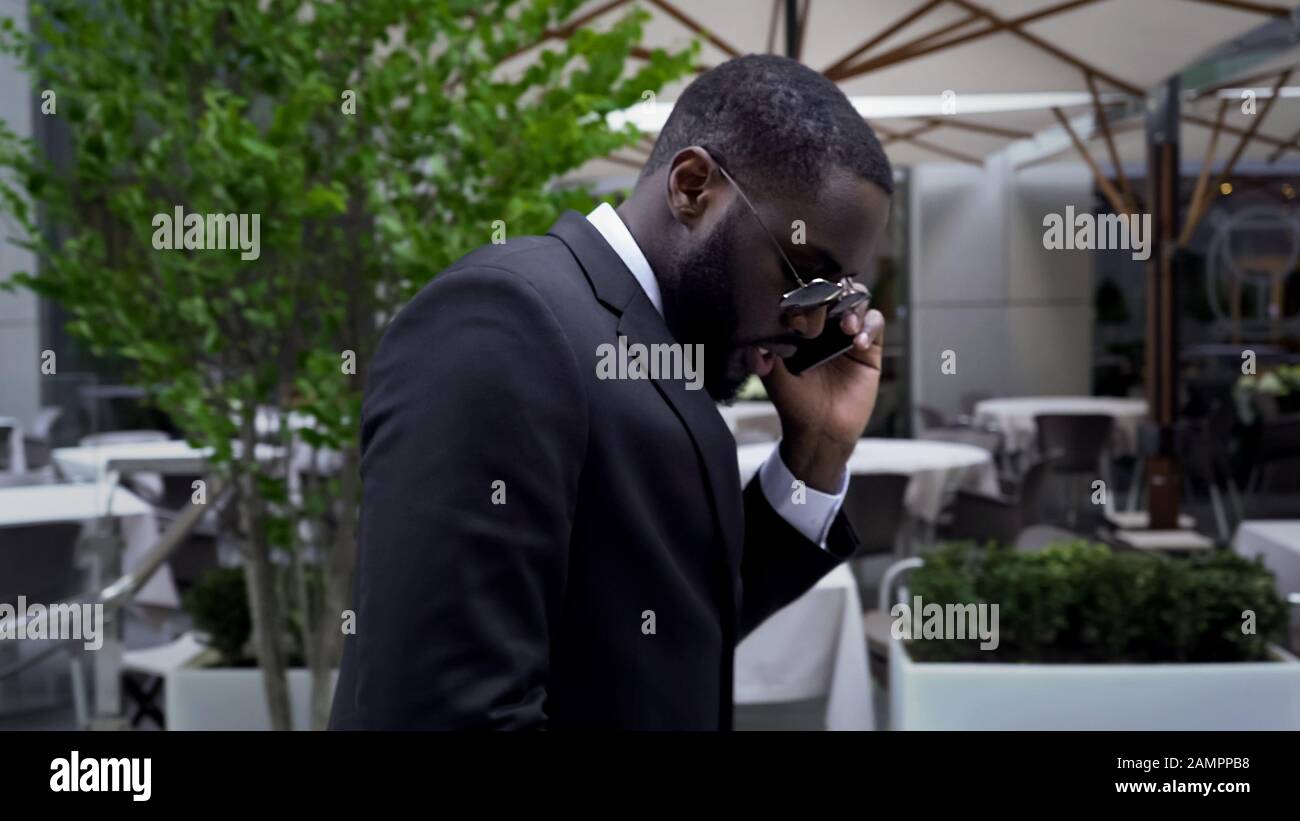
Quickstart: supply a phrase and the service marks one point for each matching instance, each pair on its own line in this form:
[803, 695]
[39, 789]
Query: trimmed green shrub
[1082, 602]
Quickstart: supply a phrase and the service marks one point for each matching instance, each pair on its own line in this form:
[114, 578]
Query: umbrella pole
[1164, 482]
[792, 29]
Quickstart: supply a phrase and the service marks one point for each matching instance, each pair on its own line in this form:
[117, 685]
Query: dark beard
[699, 296]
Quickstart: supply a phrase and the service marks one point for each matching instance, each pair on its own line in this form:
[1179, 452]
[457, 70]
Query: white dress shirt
[809, 511]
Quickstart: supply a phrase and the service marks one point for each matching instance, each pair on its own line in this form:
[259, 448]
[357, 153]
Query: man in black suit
[550, 538]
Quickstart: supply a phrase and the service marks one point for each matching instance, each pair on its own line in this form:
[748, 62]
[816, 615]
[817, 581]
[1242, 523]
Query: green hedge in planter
[218, 606]
[1081, 602]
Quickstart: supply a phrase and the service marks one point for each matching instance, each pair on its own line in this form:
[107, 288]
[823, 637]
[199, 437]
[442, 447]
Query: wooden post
[792, 29]
[1164, 480]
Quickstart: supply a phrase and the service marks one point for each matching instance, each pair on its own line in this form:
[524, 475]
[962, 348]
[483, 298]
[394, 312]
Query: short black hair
[775, 122]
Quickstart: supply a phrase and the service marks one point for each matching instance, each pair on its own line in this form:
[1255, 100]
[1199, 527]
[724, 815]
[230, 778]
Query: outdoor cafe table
[89, 503]
[813, 647]
[1014, 417]
[1277, 543]
[936, 469]
[93, 462]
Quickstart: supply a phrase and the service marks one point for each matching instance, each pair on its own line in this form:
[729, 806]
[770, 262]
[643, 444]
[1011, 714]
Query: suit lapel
[619, 292]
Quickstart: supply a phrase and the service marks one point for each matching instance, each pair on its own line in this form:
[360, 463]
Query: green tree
[375, 140]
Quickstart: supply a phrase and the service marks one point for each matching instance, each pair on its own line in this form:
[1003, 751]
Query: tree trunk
[268, 626]
[337, 595]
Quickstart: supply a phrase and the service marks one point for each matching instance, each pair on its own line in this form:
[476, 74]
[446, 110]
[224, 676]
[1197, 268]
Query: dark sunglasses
[810, 295]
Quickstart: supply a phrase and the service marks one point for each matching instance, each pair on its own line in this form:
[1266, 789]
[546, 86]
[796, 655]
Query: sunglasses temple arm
[770, 238]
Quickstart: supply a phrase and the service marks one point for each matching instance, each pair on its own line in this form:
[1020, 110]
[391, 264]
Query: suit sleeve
[780, 563]
[473, 434]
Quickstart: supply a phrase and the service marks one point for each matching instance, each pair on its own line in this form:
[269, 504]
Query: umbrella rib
[981, 128]
[892, 29]
[920, 47]
[1267, 139]
[1291, 145]
[1113, 197]
[929, 146]
[1244, 5]
[700, 29]
[914, 48]
[909, 135]
[1195, 218]
[1099, 114]
[1014, 26]
[1203, 179]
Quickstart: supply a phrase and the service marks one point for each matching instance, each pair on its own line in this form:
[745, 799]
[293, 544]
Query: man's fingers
[852, 322]
[868, 344]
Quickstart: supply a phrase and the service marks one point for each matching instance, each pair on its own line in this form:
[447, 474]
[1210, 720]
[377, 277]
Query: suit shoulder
[529, 267]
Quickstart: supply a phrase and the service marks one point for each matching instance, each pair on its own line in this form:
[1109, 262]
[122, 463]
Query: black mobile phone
[832, 341]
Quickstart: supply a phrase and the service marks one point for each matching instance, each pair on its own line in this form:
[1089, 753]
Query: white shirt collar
[610, 225]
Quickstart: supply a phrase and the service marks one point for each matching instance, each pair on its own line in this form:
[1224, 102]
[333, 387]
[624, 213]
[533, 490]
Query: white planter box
[232, 698]
[1229, 696]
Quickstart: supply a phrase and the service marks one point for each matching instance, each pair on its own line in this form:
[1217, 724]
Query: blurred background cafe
[1090, 414]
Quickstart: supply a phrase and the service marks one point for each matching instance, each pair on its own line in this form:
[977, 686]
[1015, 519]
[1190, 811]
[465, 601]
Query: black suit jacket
[620, 497]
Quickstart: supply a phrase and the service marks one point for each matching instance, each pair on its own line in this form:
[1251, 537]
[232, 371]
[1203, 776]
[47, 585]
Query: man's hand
[825, 410]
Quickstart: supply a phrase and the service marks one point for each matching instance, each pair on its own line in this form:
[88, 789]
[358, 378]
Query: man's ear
[692, 184]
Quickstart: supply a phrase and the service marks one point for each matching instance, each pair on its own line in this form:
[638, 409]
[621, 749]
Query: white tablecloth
[937, 469]
[1277, 541]
[811, 648]
[91, 462]
[17, 453]
[35, 504]
[1015, 417]
[752, 421]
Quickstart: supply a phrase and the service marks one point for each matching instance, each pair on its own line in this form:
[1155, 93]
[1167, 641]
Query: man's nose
[807, 324]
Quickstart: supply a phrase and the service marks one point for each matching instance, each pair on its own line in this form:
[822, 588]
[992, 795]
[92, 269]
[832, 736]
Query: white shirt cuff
[808, 511]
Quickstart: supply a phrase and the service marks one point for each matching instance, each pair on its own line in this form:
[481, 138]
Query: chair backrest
[122, 437]
[1033, 498]
[1277, 460]
[1076, 441]
[43, 422]
[930, 417]
[37, 453]
[874, 506]
[894, 576]
[983, 439]
[983, 519]
[972, 398]
[37, 561]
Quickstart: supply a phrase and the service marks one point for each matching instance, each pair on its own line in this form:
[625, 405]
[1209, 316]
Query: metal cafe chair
[1077, 444]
